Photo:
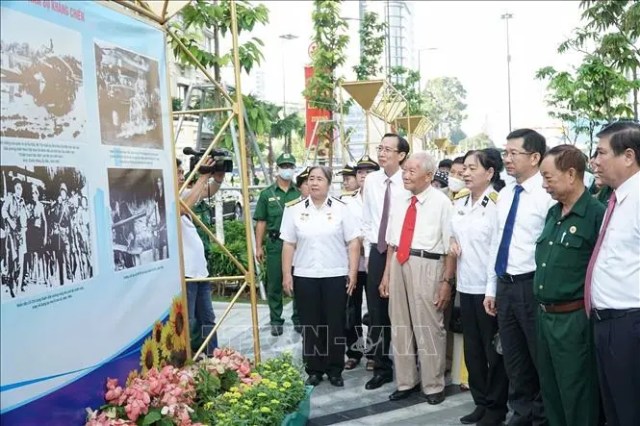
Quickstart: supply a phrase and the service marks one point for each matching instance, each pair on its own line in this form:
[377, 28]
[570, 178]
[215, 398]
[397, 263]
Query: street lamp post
[506, 17]
[285, 37]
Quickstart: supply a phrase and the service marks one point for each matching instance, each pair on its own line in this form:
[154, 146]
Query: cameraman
[199, 304]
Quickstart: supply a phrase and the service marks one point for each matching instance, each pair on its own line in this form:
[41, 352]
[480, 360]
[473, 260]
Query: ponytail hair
[490, 158]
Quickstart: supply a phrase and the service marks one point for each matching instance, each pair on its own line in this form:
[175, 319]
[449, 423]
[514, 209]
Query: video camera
[222, 161]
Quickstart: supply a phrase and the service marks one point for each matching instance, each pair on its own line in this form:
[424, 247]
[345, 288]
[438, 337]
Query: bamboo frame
[236, 108]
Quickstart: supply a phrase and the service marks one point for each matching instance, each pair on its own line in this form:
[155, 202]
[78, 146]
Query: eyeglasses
[386, 149]
[512, 154]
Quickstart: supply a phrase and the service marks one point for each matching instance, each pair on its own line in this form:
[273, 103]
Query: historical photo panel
[41, 85]
[138, 217]
[128, 98]
[46, 229]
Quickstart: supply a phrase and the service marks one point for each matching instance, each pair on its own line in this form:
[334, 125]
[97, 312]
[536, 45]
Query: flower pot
[301, 415]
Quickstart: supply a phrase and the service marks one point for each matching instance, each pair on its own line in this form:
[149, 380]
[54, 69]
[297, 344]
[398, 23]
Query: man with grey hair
[417, 281]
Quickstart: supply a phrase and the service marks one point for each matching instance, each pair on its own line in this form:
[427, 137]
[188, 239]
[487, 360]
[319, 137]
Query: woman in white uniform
[322, 238]
[473, 222]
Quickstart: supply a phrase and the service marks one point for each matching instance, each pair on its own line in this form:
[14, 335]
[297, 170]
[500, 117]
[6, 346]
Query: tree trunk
[635, 94]
[270, 157]
[591, 128]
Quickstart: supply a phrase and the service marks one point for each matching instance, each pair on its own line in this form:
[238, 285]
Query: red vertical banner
[312, 114]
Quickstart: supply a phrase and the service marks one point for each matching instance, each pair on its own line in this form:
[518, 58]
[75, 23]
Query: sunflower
[149, 356]
[178, 321]
[157, 332]
[179, 357]
[168, 341]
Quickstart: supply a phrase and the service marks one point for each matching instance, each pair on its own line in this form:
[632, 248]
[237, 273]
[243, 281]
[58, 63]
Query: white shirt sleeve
[288, 227]
[445, 223]
[350, 227]
[366, 214]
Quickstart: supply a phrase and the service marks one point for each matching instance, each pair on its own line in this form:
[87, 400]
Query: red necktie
[594, 255]
[408, 226]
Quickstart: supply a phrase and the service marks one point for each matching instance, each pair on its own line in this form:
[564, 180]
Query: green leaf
[151, 417]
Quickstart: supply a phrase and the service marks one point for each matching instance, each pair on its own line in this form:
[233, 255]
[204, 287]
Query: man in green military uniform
[268, 216]
[566, 359]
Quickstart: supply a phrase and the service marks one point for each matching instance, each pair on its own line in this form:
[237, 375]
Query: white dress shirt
[373, 196]
[532, 211]
[433, 221]
[355, 204]
[321, 236]
[615, 282]
[472, 225]
[195, 263]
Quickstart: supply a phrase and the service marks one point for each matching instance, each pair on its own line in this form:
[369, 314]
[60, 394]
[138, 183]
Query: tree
[201, 15]
[287, 127]
[611, 31]
[457, 135]
[406, 83]
[331, 40]
[592, 94]
[479, 141]
[444, 102]
[372, 37]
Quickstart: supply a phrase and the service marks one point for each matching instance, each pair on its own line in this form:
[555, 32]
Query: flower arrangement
[223, 390]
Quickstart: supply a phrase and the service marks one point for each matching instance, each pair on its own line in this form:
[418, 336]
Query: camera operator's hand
[218, 177]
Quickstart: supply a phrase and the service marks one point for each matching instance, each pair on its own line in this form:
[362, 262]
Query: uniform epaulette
[349, 194]
[493, 195]
[463, 193]
[337, 199]
[293, 202]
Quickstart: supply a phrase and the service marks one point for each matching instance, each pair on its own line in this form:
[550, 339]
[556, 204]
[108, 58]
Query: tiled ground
[351, 405]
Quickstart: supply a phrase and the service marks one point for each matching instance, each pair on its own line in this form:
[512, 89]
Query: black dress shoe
[474, 417]
[336, 381]
[313, 380]
[435, 398]
[276, 330]
[402, 394]
[377, 381]
[492, 418]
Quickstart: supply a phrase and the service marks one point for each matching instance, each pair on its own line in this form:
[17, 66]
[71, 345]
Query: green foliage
[372, 37]
[287, 127]
[235, 241]
[444, 101]
[591, 94]
[457, 135]
[609, 37]
[331, 41]
[200, 15]
[406, 83]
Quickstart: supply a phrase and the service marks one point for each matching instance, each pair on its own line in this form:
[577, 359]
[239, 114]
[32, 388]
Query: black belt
[423, 253]
[515, 278]
[607, 314]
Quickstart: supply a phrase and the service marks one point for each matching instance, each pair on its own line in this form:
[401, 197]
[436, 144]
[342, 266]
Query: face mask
[456, 184]
[286, 174]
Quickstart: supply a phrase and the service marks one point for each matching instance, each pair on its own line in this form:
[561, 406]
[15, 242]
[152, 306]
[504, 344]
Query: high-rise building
[400, 48]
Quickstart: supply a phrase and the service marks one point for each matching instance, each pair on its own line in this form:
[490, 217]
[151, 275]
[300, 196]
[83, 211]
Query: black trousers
[355, 340]
[380, 336]
[321, 304]
[516, 323]
[617, 342]
[487, 377]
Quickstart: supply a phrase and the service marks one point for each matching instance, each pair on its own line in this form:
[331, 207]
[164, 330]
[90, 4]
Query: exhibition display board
[91, 270]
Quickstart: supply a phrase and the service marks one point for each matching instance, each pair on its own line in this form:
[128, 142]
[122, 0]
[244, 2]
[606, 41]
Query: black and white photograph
[46, 229]
[128, 98]
[138, 217]
[41, 85]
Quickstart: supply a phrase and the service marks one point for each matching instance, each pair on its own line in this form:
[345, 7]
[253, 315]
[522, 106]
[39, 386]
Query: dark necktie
[408, 226]
[382, 231]
[503, 252]
[596, 251]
